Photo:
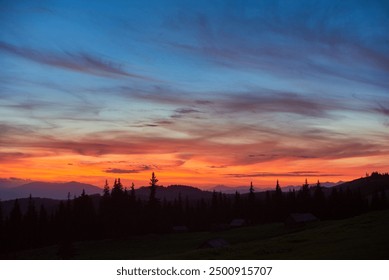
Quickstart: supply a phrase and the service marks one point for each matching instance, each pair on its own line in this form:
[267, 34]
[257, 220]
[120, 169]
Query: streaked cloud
[298, 41]
[79, 62]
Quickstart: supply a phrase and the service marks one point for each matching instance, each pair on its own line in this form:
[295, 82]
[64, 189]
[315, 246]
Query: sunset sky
[201, 92]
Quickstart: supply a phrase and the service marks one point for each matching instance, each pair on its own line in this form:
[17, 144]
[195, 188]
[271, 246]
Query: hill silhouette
[367, 185]
[173, 192]
[52, 190]
[60, 191]
[49, 204]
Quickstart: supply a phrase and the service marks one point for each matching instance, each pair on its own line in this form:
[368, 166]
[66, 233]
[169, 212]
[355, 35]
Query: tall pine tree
[153, 188]
[251, 192]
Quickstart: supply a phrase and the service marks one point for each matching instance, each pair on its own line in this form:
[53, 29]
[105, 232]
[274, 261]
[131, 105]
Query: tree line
[119, 213]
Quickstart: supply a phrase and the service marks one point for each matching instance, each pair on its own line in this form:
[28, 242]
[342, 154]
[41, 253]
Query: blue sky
[243, 85]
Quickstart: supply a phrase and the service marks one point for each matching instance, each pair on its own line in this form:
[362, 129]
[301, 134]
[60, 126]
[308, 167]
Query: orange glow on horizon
[197, 173]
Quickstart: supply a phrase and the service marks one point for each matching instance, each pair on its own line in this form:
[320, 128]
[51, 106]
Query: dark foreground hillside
[361, 237]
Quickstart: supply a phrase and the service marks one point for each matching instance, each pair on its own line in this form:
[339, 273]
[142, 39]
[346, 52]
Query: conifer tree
[105, 210]
[237, 198]
[277, 204]
[30, 224]
[132, 193]
[153, 215]
[318, 193]
[117, 190]
[278, 193]
[319, 201]
[85, 215]
[153, 189]
[305, 187]
[106, 190]
[304, 197]
[251, 192]
[214, 202]
[250, 208]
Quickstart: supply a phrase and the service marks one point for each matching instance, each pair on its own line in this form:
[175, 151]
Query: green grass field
[362, 237]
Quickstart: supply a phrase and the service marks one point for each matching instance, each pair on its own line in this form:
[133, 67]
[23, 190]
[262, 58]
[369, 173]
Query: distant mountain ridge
[49, 190]
[13, 182]
[60, 191]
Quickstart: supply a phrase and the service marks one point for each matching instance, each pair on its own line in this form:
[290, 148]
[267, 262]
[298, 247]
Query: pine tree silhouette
[106, 189]
[117, 190]
[305, 197]
[319, 201]
[132, 193]
[30, 223]
[251, 192]
[278, 193]
[153, 188]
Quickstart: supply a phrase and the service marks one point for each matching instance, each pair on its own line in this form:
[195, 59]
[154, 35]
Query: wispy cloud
[205, 149]
[12, 156]
[289, 41]
[79, 62]
[277, 102]
[259, 101]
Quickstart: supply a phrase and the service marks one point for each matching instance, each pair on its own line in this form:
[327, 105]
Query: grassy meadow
[361, 237]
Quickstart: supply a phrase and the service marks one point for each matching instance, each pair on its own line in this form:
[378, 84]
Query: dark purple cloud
[183, 112]
[120, 171]
[217, 166]
[186, 111]
[383, 110]
[259, 101]
[287, 174]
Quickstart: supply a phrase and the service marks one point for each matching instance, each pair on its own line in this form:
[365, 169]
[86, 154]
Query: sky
[202, 93]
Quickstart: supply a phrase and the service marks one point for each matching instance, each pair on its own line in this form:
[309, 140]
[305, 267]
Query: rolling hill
[367, 185]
